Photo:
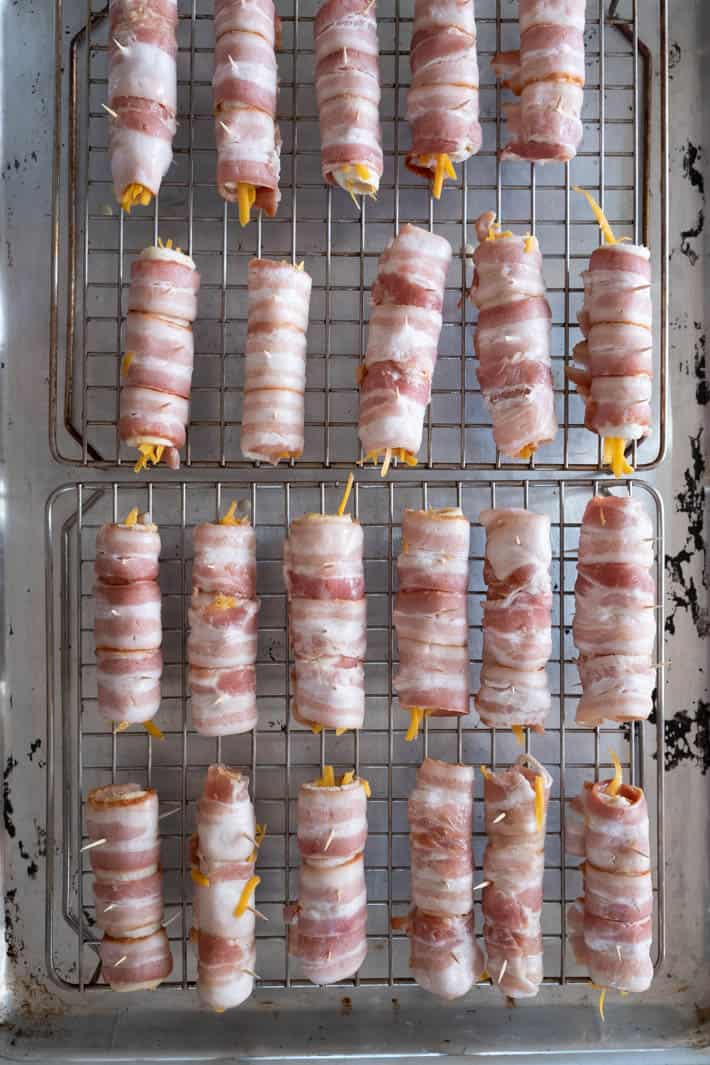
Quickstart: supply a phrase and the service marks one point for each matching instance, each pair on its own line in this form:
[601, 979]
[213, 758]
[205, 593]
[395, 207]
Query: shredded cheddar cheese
[199, 877]
[346, 495]
[486, 773]
[530, 243]
[602, 998]
[416, 716]
[153, 730]
[539, 802]
[614, 456]
[443, 168]
[366, 787]
[315, 728]
[126, 362]
[122, 726]
[495, 232]
[340, 731]
[131, 517]
[601, 218]
[390, 453]
[223, 602]
[615, 783]
[246, 195]
[247, 892]
[526, 452]
[133, 194]
[327, 779]
[149, 453]
[519, 733]
[229, 518]
[347, 778]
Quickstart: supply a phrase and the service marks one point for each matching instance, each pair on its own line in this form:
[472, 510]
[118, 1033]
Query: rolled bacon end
[225, 559]
[129, 908]
[323, 558]
[442, 102]
[223, 701]
[225, 971]
[125, 816]
[142, 97]
[435, 550]
[395, 386]
[440, 814]
[245, 89]
[223, 631]
[445, 957]
[216, 898]
[226, 825]
[348, 95]
[275, 369]
[127, 616]
[329, 692]
[332, 821]
[128, 685]
[136, 964]
[512, 339]
[127, 553]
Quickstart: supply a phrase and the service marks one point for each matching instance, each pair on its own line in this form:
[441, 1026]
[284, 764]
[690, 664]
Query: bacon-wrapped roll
[142, 96]
[616, 355]
[395, 383]
[444, 957]
[614, 625]
[512, 339]
[513, 867]
[517, 629]
[221, 650]
[440, 814]
[348, 95]
[122, 825]
[611, 926]
[275, 369]
[548, 76]
[442, 103]
[127, 620]
[430, 615]
[245, 89]
[324, 577]
[331, 818]
[156, 370]
[225, 817]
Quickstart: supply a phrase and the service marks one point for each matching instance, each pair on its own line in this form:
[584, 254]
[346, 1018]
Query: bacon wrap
[325, 584]
[157, 368]
[512, 339]
[614, 625]
[127, 616]
[348, 94]
[548, 75]
[517, 627]
[147, 963]
[430, 612]
[127, 553]
[245, 89]
[440, 814]
[328, 925]
[222, 645]
[513, 865]
[126, 816]
[129, 908]
[275, 369]
[445, 957]
[142, 92]
[442, 103]
[332, 822]
[226, 826]
[128, 684]
[611, 926]
[616, 355]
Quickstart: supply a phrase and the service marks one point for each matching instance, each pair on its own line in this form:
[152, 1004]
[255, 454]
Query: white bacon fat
[245, 93]
[517, 633]
[614, 625]
[127, 621]
[142, 96]
[513, 867]
[222, 645]
[325, 582]
[445, 957]
[122, 825]
[156, 372]
[332, 821]
[548, 75]
[403, 337]
[512, 339]
[348, 95]
[275, 370]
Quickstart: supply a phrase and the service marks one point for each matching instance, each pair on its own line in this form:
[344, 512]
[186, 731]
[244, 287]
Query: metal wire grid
[281, 754]
[340, 245]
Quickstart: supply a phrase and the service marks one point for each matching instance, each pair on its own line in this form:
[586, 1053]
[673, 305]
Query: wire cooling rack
[280, 754]
[94, 243]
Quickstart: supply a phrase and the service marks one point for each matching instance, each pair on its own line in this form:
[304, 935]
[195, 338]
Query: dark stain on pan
[674, 57]
[683, 591]
[687, 736]
[34, 747]
[7, 808]
[691, 156]
[15, 945]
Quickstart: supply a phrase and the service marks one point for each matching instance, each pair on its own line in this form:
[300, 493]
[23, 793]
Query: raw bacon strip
[348, 95]
[226, 826]
[136, 964]
[142, 96]
[513, 866]
[517, 629]
[127, 620]
[614, 626]
[616, 354]
[156, 370]
[332, 820]
[440, 813]
[430, 615]
[245, 89]
[395, 387]
[275, 371]
[221, 649]
[445, 957]
[548, 76]
[442, 103]
[512, 339]
[129, 908]
[325, 582]
[126, 817]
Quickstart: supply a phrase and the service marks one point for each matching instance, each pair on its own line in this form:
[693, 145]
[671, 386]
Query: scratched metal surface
[42, 1022]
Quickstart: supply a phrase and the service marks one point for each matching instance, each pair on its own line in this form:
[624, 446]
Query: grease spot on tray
[683, 591]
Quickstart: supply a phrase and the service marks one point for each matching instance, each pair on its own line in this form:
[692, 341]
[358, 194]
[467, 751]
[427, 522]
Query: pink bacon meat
[245, 90]
[127, 620]
[325, 583]
[348, 95]
[442, 103]
[614, 626]
[611, 925]
[548, 75]
[512, 339]
[122, 825]
[142, 96]
[517, 631]
[403, 337]
[430, 615]
[332, 820]
[221, 648]
[445, 957]
[513, 866]
[275, 365]
[156, 372]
